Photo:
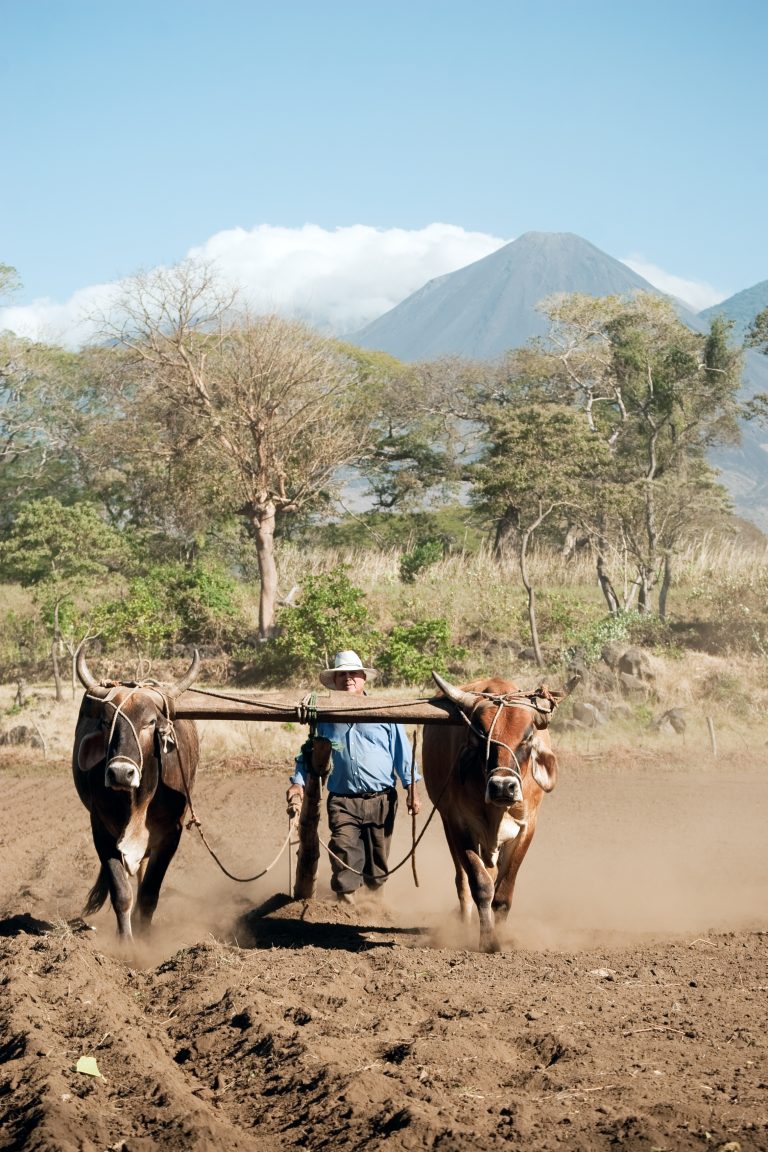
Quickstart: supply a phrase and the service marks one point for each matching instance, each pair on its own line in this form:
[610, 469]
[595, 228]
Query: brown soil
[627, 1009]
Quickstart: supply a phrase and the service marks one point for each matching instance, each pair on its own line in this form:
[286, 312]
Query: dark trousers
[361, 835]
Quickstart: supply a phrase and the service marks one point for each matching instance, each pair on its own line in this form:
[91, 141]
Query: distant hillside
[741, 308]
[488, 307]
[485, 309]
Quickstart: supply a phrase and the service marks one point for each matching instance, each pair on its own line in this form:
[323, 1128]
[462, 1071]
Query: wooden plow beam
[334, 707]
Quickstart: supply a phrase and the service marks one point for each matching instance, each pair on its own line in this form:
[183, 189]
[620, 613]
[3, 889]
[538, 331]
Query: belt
[362, 795]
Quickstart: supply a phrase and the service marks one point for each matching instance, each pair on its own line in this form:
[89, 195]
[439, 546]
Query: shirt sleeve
[299, 775]
[402, 756]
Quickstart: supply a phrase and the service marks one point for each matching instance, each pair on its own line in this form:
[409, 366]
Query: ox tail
[97, 894]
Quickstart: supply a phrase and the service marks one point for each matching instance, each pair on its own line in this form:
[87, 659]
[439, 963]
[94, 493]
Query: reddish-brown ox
[487, 779]
[134, 769]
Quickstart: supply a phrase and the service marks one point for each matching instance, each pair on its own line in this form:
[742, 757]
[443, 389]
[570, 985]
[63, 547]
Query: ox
[487, 779]
[134, 769]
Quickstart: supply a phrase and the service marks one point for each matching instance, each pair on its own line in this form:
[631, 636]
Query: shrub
[734, 608]
[169, 605]
[419, 558]
[412, 651]
[588, 641]
[330, 615]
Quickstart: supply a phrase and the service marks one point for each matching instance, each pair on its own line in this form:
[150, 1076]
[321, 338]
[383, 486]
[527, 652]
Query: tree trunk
[643, 595]
[262, 521]
[666, 584]
[507, 528]
[523, 557]
[20, 700]
[606, 586]
[55, 655]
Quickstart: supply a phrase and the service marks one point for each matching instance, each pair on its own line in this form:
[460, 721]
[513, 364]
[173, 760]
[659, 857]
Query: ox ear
[91, 751]
[543, 766]
[166, 752]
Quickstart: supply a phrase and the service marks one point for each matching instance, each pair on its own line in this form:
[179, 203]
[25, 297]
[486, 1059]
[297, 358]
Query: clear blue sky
[133, 131]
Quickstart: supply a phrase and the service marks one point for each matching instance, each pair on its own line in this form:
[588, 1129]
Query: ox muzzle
[503, 788]
[122, 774]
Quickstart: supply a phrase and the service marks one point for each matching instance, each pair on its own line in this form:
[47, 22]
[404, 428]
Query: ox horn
[545, 701]
[455, 695]
[189, 678]
[86, 677]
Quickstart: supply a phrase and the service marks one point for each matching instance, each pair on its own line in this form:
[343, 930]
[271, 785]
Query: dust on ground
[626, 1010]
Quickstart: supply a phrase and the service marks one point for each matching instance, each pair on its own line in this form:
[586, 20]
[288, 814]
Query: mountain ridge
[488, 307]
[741, 308]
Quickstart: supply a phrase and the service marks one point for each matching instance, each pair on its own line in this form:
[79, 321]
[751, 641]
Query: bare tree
[270, 410]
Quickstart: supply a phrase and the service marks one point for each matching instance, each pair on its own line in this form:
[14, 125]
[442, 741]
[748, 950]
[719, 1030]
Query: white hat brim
[327, 675]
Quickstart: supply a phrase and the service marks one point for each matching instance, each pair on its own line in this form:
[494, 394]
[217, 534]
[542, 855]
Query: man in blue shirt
[366, 762]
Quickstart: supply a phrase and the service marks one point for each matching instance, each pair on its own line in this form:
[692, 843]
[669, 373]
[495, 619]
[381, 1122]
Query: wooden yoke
[335, 707]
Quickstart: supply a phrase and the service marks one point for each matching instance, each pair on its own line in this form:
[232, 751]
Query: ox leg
[462, 884]
[481, 884]
[117, 879]
[151, 881]
[511, 857]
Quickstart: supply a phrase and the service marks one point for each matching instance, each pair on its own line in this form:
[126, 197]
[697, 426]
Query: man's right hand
[294, 797]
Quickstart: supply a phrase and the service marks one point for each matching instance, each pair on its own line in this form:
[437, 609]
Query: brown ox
[487, 779]
[133, 769]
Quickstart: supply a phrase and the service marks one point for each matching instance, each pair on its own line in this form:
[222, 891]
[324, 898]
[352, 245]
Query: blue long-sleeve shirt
[365, 757]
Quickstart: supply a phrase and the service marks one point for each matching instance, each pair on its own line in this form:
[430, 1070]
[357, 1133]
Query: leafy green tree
[60, 552]
[756, 408]
[659, 397]
[9, 280]
[30, 444]
[540, 461]
[422, 556]
[171, 604]
[757, 333]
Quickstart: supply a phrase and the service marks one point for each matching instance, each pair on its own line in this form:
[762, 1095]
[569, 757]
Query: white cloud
[337, 280]
[72, 323]
[340, 279]
[697, 294]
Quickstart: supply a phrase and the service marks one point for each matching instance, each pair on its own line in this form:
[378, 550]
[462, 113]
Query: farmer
[366, 762]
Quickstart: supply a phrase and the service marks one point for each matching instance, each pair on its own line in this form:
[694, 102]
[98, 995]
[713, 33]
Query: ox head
[505, 733]
[133, 728]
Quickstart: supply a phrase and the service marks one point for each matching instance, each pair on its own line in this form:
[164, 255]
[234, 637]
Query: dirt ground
[628, 1008]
